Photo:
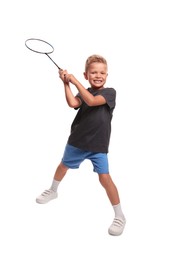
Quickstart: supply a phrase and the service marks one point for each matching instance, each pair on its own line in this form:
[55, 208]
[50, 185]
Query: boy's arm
[72, 101]
[89, 99]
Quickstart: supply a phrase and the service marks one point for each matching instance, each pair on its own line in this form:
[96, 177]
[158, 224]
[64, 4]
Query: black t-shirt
[91, 128]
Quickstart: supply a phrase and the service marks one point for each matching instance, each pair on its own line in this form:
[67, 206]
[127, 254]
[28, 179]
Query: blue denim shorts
[74, 156]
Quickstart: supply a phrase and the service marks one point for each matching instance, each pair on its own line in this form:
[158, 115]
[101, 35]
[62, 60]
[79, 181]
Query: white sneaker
[117, 226]
[46, 196]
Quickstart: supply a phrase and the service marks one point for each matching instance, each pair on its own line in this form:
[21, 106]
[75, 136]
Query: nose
[98, 75]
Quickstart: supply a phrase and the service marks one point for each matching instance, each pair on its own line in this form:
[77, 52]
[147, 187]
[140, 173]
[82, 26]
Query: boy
[90, 133]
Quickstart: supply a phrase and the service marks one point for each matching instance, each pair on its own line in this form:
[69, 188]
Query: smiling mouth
[98, 81]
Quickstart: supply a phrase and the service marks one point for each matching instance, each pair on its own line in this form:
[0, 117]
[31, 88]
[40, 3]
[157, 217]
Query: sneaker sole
[113, 233]
[44, 202]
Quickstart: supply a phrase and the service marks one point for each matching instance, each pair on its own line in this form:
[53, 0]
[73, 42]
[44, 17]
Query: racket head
[39, 46]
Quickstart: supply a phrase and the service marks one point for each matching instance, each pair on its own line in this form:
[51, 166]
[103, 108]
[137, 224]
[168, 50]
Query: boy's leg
[60, 172]
[51, 193]
[111, 190]
[119, 221]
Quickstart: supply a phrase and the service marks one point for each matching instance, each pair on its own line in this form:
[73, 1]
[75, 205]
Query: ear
[85, 75]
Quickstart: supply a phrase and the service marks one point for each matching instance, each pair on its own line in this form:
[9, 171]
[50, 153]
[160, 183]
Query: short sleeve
[110, 95]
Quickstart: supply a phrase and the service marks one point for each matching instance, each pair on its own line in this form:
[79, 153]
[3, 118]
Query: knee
[104, 179]
[62, 167]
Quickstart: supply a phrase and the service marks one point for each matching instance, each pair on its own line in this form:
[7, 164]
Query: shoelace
[118, 222]
[47, 192]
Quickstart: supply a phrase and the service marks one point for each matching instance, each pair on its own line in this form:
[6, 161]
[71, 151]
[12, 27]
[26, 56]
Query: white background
[138, 40]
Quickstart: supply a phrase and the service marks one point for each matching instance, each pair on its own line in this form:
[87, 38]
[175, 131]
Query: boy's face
[96, 74]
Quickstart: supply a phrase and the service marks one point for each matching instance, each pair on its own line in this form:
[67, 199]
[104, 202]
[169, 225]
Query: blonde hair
[94, 58]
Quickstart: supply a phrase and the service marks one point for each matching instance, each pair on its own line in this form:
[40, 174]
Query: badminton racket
[40, 46]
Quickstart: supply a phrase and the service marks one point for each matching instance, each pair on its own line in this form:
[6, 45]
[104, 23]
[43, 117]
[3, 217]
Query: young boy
[90, 133]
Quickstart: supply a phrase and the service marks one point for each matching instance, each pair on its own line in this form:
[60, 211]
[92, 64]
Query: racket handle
[53, 61]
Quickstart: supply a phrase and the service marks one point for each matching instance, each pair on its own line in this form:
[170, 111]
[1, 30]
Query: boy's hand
[66, 78]
[70, 78]
[63, 74]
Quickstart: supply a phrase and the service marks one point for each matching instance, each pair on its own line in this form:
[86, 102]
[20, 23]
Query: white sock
[118, 211]
[54, 185]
